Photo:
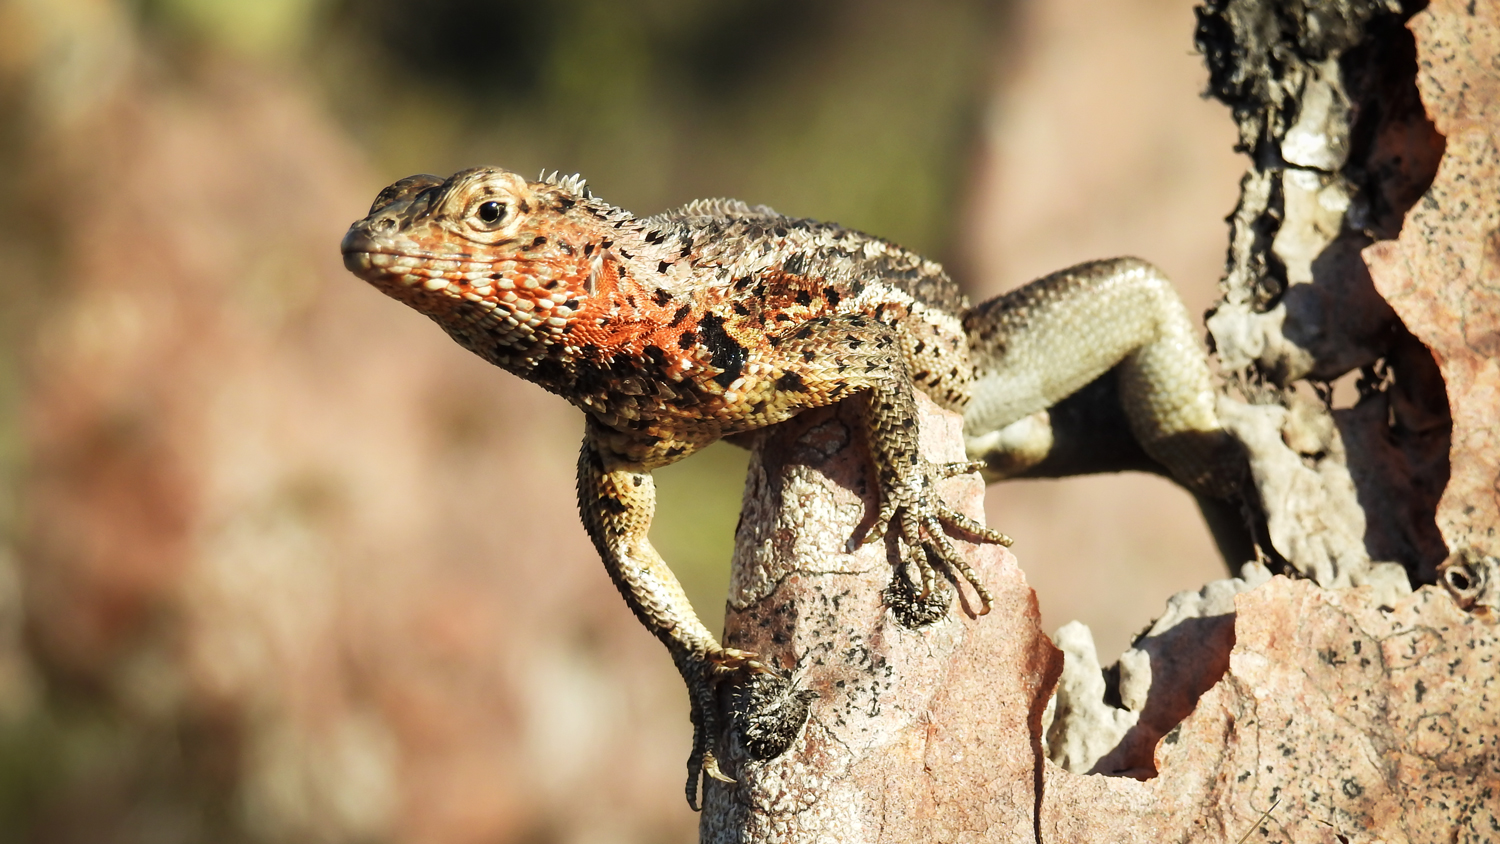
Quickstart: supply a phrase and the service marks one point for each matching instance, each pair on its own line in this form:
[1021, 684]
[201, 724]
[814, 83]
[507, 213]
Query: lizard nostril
[383, 224]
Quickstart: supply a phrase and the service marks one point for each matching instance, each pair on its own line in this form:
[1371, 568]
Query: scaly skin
[673, 331]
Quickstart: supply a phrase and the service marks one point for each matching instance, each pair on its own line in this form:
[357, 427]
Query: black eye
[491, 212]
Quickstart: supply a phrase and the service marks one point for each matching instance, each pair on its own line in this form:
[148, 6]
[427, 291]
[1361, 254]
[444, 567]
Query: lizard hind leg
[1036, 347]
[1166, 392]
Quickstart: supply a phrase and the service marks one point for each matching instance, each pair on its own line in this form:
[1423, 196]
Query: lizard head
[495, 259]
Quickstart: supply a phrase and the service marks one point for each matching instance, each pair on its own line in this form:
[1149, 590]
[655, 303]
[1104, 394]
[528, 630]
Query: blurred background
[281, 563]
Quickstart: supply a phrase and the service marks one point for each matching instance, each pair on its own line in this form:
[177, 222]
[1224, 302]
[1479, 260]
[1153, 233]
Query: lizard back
[663, 327]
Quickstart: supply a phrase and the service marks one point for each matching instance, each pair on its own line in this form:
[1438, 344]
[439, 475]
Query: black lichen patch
[910, 608]
[766, 714]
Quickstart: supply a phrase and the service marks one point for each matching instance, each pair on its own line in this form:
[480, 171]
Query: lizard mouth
[376, 265]
[364, 255]
[435, 274]
[360, 248]
[438, 281]
[376, 261]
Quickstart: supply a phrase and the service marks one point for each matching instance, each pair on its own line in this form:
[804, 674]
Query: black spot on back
[727, 354]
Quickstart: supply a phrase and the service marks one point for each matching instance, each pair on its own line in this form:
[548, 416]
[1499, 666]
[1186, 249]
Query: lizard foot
[703, 675]
[911, 502]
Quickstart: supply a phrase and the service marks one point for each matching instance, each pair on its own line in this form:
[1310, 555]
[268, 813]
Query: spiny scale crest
[574, 183]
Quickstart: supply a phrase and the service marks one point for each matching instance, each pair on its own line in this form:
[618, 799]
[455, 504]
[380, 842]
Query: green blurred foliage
[263, 29]
[697, 510]
[860, 112]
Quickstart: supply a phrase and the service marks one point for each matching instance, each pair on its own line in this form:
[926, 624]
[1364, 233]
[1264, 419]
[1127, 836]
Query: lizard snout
[357, 247]
[357, 239]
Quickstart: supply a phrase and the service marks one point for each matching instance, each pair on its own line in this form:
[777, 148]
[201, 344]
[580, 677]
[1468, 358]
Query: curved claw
[711, 768]
[957, 564]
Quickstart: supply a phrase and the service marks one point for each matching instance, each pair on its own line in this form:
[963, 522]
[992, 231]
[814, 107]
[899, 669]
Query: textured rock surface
[1442, 275]
[927, 733]
[1362, 713]
[1366, 722]
[1327, 108]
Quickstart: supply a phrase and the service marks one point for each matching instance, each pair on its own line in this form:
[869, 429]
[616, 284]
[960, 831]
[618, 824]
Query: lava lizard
[671, 332]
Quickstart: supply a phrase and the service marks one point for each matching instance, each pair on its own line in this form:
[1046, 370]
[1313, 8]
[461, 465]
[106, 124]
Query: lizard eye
[490, 212]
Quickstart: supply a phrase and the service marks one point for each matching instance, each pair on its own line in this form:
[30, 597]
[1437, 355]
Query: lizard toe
[727, 660]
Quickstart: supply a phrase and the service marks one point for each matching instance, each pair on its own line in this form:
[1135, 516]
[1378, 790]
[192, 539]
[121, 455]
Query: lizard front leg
[617, 499]
[854, 356]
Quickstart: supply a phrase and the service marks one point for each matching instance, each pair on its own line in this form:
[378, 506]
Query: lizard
[717, 318]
